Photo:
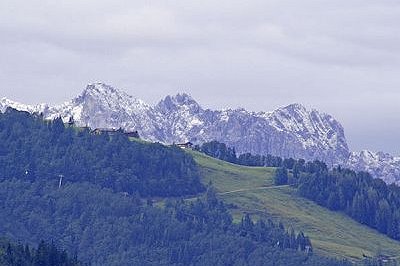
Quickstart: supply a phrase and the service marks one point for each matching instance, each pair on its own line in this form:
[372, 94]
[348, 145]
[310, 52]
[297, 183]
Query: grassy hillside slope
[251, 189]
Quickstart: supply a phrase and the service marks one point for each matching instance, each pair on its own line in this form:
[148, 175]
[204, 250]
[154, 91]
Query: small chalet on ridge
[112, 131]
[186, 145]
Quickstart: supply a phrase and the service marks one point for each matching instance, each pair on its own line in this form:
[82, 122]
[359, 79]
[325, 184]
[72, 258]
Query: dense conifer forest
[33, 150]
[44, 255]
[106, 228]
[367, 200]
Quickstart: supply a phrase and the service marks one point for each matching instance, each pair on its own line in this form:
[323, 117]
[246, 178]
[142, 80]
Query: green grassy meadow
[251, 190]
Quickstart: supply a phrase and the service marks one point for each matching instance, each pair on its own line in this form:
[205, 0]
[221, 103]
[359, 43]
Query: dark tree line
[221, 151]
[218, 150]
[367, 200]
[45, 254]
[33, 149]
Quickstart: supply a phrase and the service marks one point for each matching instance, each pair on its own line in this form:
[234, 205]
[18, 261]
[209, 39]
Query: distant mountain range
[290, 131]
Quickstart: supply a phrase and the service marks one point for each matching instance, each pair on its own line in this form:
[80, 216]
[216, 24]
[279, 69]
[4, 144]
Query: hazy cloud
[342, 57]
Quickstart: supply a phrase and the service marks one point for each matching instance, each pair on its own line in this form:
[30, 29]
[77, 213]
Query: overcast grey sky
[342, 56]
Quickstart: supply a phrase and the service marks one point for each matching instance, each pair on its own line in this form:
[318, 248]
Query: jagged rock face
[100, 106]
[319, 134]
[181, 118]
[291, 131]
[381, 165]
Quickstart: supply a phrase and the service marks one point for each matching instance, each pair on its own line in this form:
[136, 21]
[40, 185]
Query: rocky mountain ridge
[290, 131]
[379, 164]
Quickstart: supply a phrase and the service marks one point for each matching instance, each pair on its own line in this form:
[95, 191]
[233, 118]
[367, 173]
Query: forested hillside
[89, 194]
[35, 150]
[367, 200]
[105, 228]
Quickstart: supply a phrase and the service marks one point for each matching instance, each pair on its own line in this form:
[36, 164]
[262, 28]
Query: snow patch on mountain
[380, 164]
[5, 103]
[310, 125]
[180, 115]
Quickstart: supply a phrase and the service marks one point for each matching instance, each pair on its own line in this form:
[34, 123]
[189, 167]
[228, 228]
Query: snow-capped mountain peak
[181, 101]
[312, 128]
[99, 87]
[290, 131]
[106, 94]
[294, 107]
[181, 114]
